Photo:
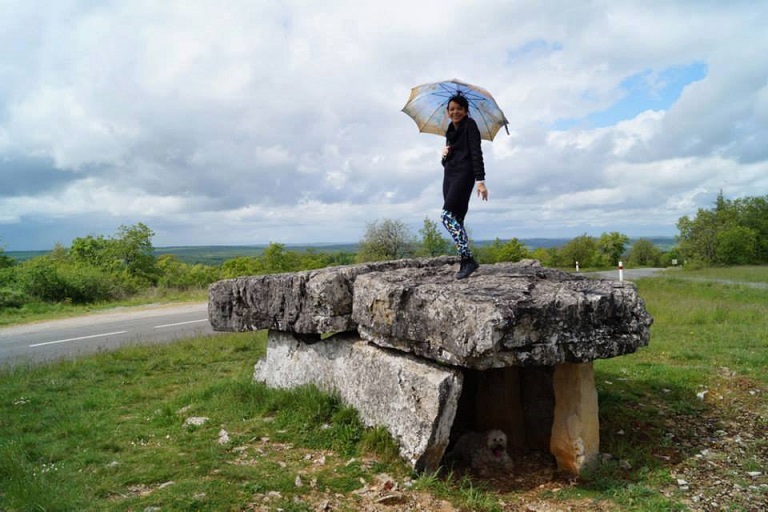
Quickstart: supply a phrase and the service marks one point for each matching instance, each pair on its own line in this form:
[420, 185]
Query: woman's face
[456, 112]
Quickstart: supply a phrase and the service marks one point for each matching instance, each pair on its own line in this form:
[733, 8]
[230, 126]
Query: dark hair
[460, 99]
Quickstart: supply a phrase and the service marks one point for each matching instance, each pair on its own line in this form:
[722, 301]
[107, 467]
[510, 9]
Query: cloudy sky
[253, 121]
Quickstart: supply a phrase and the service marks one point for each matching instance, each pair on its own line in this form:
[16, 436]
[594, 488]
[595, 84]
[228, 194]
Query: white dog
[483, 452]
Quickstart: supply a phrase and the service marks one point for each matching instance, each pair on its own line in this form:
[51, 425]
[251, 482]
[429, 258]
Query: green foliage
[511, 250]
[612, 246]
[644, 253]
[736, 245]
[44, 279]
[432, 241]
[733, 232]
[386, 240]
[549, 257]
[130, 251]
[5, 260]
[276, 259]
[242, 266]
[175, 274]
[583, 249]
[12, 298]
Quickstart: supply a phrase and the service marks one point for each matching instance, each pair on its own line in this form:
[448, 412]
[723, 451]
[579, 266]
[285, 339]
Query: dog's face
[497, 442]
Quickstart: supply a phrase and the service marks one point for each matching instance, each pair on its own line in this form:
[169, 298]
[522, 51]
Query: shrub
[12, 298]
[78, 283]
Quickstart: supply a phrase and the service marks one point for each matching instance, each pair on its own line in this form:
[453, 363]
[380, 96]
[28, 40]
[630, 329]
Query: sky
[246, 122]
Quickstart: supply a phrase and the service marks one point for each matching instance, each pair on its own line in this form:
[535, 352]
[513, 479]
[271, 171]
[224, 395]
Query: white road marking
[76, 339]
[181, 323]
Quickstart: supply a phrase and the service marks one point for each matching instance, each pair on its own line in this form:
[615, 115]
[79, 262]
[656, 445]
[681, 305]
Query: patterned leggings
[457, 232]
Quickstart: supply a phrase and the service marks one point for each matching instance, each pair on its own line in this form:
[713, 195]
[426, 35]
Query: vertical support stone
[575, 440]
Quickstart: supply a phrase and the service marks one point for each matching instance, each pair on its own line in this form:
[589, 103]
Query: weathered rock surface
[514, 314]
[413, 399]
[308, 302]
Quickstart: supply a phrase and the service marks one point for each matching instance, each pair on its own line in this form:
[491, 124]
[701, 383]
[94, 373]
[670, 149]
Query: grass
[107, 432]
[746, 273]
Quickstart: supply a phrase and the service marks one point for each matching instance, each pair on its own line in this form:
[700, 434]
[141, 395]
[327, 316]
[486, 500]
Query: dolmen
[429, 357]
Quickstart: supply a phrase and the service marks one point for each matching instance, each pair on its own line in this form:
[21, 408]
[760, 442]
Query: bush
[45, 280]
[179, 275]
[12, 298]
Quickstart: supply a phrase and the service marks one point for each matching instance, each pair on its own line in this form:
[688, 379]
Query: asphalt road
[56, 339]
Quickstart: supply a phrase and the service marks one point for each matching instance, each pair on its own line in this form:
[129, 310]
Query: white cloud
[247, 122]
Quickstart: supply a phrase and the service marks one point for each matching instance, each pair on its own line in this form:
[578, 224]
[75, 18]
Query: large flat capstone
[507, 314]
[413, 399]
[513, 314]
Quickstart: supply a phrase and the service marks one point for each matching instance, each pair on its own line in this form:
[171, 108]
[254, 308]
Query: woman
[463, 165]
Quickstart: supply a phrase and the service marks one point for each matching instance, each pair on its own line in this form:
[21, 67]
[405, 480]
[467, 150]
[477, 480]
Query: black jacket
[465, 152]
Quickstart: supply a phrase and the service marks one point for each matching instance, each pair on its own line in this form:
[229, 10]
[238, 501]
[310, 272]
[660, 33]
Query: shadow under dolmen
[430, 358]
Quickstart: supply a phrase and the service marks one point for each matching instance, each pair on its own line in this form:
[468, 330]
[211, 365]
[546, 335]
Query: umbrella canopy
[428, 107]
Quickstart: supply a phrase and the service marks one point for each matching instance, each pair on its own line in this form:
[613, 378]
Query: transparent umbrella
[428, 104]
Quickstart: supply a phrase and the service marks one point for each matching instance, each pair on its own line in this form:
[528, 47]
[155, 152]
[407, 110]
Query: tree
[133, 247]
[511, 250]
[548, 257]
[432, 242]
[130, 252]
[583, 249]
[736, 245]
[612, 245]
[385, 240]
[241, 266]
[90, 250]
[732, 232]
[5, 260]
[644, 253]
[753, 214]
[276, 259]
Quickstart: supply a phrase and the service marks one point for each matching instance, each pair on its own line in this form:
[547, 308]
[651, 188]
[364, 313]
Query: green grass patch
[107, 432]
[745, 273]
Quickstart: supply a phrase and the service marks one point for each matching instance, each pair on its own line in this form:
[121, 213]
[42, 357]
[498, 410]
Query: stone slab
[414, 400]
[508, 314]
[307, 302]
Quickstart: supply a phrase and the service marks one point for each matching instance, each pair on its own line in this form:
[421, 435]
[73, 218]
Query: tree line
[101, 269]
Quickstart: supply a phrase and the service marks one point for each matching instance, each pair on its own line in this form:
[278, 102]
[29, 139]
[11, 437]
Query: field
[683, 427]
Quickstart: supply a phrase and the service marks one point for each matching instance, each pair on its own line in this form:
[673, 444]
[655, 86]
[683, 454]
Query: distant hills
[216, 254]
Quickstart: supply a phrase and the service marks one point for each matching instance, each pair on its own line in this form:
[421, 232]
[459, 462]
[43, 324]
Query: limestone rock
[508, 314]
[414, 400]
[308, 302]
[575, 440]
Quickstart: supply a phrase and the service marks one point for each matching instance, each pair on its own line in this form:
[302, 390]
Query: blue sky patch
[533, 48]
[647, 90]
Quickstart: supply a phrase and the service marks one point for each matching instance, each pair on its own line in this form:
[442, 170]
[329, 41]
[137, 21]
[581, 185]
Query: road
[56, 339]
[630, 274]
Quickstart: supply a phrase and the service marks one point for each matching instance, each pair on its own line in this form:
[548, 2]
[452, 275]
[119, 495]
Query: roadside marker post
[621, 271]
